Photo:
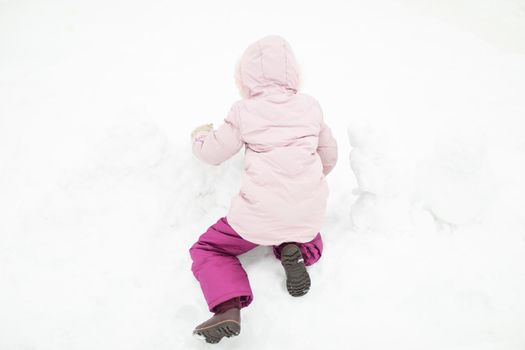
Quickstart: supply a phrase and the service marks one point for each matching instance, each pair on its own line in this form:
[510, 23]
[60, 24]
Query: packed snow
[101, 197]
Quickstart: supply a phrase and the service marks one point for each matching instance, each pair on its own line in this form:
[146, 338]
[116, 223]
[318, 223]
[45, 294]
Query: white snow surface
[101, 198]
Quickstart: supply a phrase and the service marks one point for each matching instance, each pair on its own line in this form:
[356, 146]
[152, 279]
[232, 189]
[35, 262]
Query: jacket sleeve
[218, 145]
[327, 146]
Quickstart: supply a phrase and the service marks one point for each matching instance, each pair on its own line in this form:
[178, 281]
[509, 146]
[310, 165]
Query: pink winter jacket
[288, 149]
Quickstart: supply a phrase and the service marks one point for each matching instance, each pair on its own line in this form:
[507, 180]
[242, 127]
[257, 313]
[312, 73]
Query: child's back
[289, 149]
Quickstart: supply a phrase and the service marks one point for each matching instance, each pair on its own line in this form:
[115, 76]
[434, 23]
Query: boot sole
[214, 334]
[297, 278]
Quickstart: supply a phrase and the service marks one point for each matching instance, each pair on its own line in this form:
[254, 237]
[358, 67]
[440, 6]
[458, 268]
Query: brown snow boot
[226, 322]
[297, 278]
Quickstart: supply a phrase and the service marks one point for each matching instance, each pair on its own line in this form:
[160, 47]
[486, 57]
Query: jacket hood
[267, 65]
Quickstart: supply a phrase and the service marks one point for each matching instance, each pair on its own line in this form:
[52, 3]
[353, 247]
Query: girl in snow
[282, 199]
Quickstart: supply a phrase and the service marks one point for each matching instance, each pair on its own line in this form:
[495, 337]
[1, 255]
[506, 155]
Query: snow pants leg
[219, 271]
[311, 251]
[216, 266]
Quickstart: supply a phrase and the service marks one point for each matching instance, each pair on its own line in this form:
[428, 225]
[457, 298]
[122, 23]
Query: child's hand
[201, 130]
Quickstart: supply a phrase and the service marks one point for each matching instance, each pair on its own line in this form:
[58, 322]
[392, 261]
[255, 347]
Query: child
[282, 199]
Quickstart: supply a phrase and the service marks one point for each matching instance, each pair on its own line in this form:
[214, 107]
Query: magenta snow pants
[219, 272]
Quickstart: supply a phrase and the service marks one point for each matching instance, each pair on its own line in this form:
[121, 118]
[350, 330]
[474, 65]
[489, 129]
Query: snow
[102, 198]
